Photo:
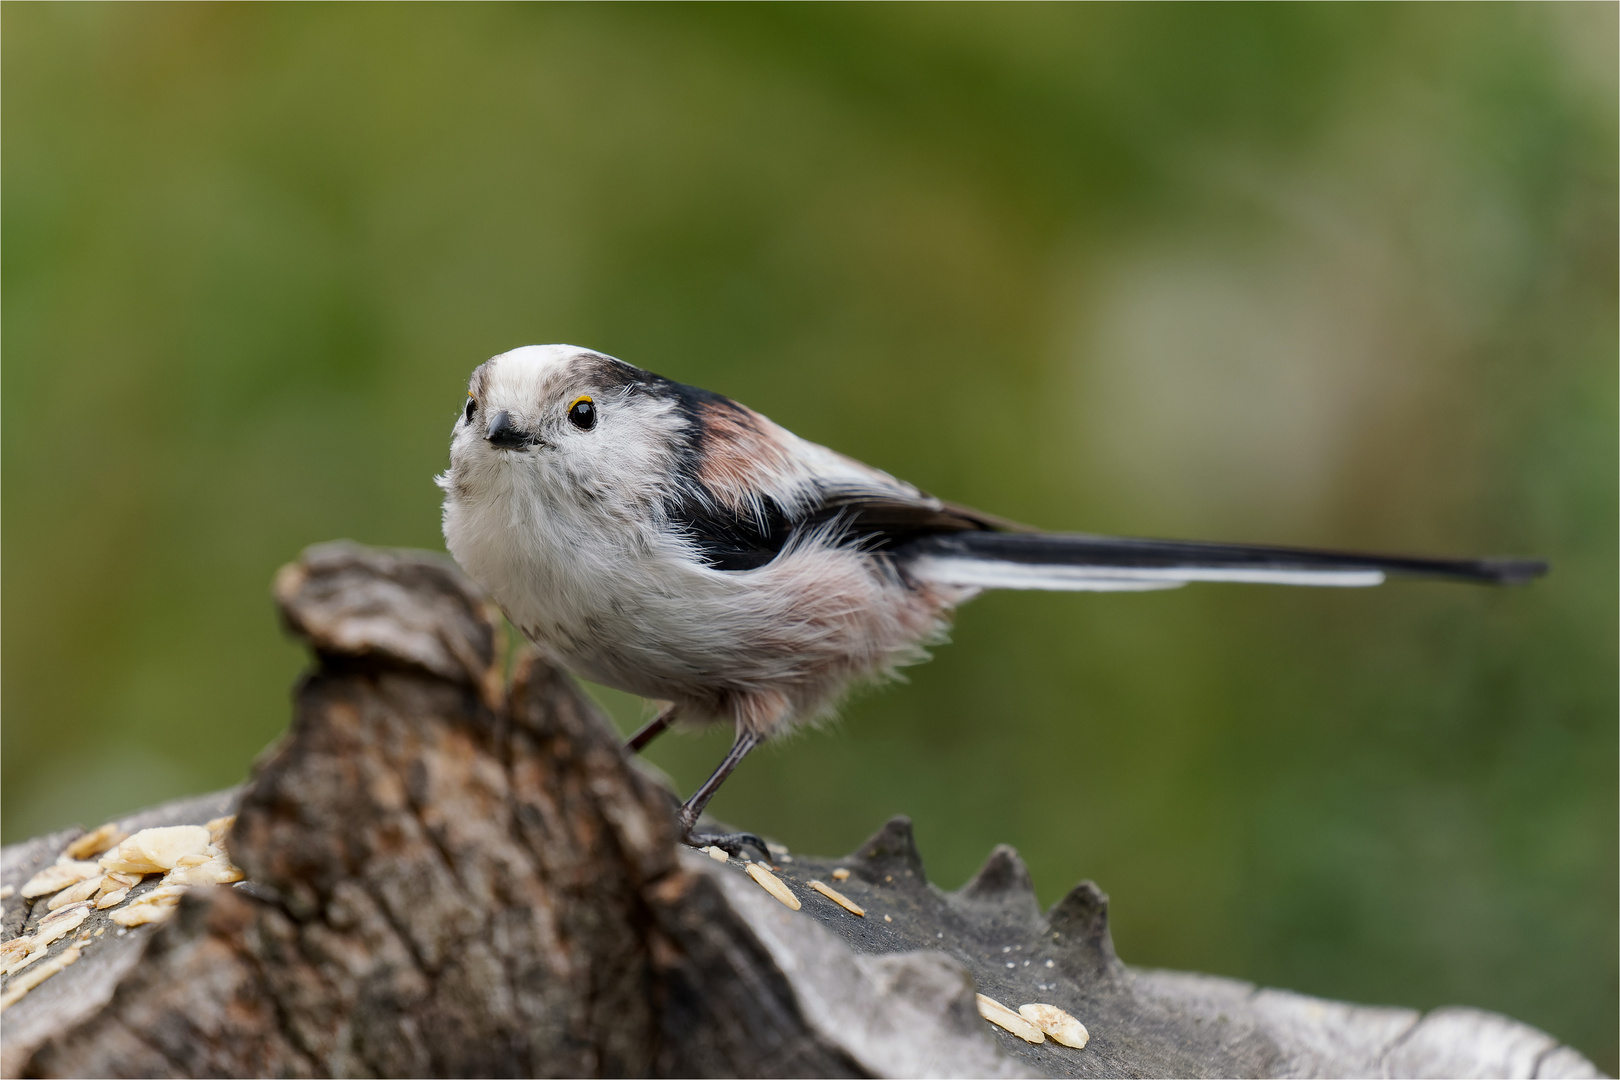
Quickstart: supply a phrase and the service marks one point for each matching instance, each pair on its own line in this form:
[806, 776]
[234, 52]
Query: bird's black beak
[506, 435]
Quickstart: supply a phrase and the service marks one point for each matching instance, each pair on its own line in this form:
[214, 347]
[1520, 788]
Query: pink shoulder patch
[745, 454]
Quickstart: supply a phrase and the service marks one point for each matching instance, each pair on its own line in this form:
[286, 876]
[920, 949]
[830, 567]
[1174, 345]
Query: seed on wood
[33, 954]
[13, 951]
[887, 918]
[58, 877]
[717, 854]
[155, 906]
[838, 898]
[115, 881]
[773, 885]
[60, 923]
[84, 890]
[215, 869]
[1055, 1022]
[96, 841]
[112, 899]
[7, 891]
[139, 914]
[1003, 1017]
[840, 874]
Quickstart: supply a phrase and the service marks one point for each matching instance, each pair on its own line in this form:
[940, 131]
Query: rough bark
[448, 875]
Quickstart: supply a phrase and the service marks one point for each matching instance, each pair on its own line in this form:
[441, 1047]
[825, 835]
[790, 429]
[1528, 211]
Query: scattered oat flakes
[112, 899]
[773, 885]
[24, 983]
[147, 909]
[56, 878]
[61, 922]
[152, 851]
[116, 880]
[838, 898]
[34, 953]
[1058, 1024]
[998, 1014]
[84, 890]
[840, 874]
[93, 843]
[887, 918]
[163, 894]
[14, 950]
[717, 854]
[7, 891]
[208, 869]
[63, 913]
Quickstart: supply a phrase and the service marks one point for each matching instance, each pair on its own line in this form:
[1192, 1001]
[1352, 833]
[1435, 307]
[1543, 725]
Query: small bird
[666, 541]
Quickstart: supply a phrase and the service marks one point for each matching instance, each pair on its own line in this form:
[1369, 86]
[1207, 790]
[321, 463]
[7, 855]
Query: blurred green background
[1336, 275]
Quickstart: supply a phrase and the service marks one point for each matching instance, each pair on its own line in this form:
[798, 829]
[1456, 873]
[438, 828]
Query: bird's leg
[651, 730]
[689, 813]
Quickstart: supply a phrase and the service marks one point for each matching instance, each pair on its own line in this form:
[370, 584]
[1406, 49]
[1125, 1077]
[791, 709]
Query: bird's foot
[730, 843]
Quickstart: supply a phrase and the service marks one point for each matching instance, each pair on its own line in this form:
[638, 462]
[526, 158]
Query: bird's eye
[472, 407]
[582, 413]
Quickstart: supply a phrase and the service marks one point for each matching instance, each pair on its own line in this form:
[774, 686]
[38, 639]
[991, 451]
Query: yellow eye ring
[582, 412]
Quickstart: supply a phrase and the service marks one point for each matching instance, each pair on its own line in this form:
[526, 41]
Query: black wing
[728, 539]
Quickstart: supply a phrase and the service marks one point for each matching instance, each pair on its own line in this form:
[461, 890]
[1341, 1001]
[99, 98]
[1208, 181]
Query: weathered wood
[447, 875]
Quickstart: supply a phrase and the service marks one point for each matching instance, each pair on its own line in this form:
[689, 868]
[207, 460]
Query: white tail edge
[994, 574]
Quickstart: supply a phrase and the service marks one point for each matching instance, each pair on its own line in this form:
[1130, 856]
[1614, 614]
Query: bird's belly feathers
[642, 616]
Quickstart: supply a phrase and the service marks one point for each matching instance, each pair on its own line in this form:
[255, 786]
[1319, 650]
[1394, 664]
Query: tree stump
[449, 873]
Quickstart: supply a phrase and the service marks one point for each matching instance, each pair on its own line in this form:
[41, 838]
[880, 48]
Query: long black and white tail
[1083, 563]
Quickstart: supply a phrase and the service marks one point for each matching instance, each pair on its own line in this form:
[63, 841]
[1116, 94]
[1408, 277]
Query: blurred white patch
[1225, 384]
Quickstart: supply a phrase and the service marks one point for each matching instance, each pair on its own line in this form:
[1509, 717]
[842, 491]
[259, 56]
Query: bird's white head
[562, 424]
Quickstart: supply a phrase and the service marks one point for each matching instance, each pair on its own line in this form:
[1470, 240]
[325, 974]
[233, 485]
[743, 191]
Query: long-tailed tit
[667, 541]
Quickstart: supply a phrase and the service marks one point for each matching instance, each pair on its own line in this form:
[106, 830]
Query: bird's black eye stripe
[472, 407]
[582, 413]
